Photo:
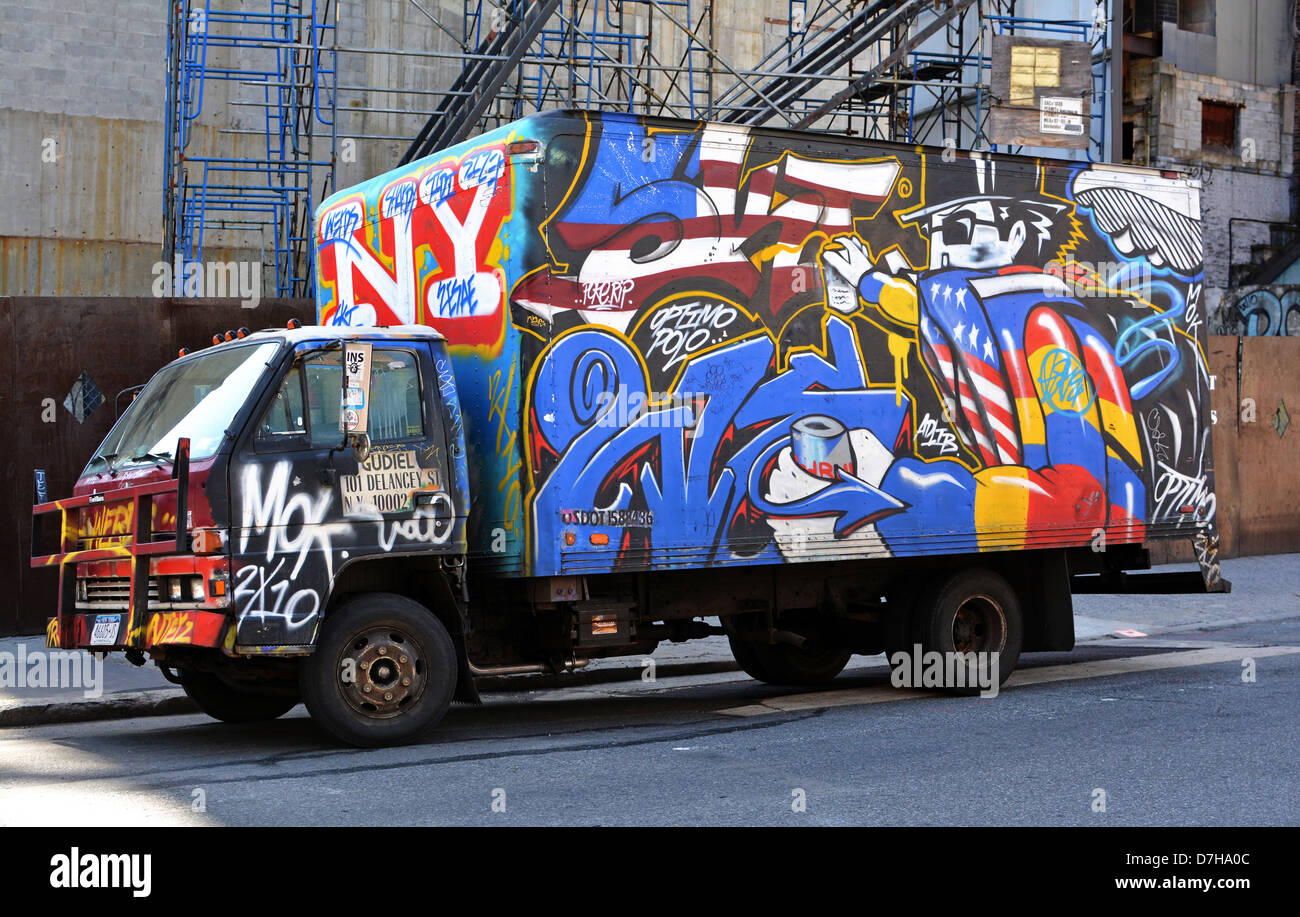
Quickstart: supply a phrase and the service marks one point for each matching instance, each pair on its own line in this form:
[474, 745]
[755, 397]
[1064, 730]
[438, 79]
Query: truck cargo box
[680, 344]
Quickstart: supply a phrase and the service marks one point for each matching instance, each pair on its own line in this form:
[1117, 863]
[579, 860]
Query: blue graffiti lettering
[456, 297]
[437, 186]
[483, 168]
[696, 489]
[340, 224]
[398, 200]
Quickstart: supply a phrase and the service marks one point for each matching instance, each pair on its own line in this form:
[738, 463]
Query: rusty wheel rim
[388, 672]
[980, 626]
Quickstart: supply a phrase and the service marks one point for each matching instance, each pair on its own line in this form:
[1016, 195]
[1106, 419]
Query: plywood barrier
[46, 343]
[1266, 460]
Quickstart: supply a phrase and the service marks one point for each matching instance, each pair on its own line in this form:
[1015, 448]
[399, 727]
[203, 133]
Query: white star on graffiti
[947, 293]
[974, 337]
[934, 291]
[988, 349]
[961, 298]
[958, 329]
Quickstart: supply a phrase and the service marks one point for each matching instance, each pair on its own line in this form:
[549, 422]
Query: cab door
[399, 500]
[304, 506]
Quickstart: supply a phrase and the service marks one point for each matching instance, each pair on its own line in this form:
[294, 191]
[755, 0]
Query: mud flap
[466, 690]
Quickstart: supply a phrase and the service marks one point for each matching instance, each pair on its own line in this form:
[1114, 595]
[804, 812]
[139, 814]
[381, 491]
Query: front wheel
[383, 673]
[233, 705]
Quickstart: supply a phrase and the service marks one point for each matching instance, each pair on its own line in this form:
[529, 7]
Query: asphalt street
[1158, 731]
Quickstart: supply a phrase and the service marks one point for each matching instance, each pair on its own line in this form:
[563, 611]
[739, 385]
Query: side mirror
[360, 443]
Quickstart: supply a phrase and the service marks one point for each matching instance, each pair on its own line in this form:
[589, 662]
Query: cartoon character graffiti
[1031, 387]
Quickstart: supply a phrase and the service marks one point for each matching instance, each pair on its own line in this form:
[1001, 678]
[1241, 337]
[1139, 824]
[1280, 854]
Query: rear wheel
[784, 664]
[971, 612]
[230, 704]
[383, 673]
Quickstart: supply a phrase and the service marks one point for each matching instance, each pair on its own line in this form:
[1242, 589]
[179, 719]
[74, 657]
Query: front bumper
[107, 630]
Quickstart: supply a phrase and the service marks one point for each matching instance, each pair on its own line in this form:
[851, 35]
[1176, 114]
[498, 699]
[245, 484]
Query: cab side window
[284, 425]
[305, 411]
[395, 405]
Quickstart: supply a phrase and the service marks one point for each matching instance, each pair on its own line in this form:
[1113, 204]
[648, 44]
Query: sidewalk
[1263, 589]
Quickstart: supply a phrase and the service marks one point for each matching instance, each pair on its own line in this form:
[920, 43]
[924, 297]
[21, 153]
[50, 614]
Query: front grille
[112, 592]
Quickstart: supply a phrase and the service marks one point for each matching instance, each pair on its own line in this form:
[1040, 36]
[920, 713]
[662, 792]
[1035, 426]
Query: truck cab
[230, 507]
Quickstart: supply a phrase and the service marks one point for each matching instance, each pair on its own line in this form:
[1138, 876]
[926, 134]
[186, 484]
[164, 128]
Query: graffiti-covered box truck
[590, 382]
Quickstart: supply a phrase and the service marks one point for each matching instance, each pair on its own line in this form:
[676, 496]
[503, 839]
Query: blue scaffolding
[278, 61]
[902, 70]
[607, 59]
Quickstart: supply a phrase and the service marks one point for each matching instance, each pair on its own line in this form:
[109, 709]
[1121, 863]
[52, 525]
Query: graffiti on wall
[1270, 311]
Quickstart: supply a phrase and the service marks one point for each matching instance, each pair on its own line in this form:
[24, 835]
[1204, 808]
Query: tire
[973, 610]
[233, 705]
[783, 664]
[407, 697]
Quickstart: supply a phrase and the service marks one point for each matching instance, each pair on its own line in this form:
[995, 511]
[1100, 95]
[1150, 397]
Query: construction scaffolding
[915, 71]
[249, 188]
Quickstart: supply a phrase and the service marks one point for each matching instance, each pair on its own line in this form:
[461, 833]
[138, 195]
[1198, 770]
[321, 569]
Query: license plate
[105, 631]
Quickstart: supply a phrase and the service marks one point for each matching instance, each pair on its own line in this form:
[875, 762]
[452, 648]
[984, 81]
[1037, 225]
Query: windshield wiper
[152, 456]
[106, 458]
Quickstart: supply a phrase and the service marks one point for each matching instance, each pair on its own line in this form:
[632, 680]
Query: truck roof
[523, 128]
[316, 332]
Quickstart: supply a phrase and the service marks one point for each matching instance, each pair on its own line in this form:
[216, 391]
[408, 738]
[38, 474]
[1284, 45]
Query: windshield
[196, 398]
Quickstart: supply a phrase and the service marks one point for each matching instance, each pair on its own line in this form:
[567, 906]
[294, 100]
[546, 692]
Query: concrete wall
[1244, 191]
[81, 103]
[82, 98]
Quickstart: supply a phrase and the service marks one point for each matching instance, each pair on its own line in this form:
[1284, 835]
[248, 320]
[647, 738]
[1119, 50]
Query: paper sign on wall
[1061, 116]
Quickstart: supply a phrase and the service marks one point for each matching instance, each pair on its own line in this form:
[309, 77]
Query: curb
[128, 704]
[1198, 626]
[174, 702]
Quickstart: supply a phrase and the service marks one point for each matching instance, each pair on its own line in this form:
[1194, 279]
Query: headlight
[196, 588]
[175, 588]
